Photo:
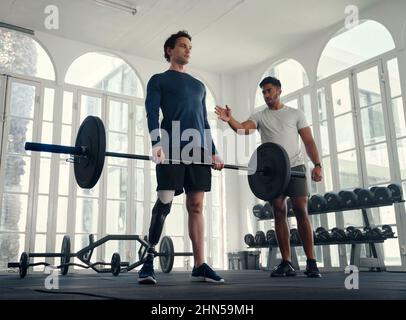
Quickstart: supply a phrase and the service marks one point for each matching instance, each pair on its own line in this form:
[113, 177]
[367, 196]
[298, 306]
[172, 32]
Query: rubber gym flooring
[239, 285]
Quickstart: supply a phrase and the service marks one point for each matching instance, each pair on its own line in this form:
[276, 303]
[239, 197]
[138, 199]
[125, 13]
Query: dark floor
[240, 285]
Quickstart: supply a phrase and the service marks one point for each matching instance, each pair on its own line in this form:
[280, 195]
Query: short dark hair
[171, 41]
[271, 80]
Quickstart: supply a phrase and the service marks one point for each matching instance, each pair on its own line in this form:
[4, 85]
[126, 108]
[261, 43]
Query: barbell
[268, 169]
[166, 256]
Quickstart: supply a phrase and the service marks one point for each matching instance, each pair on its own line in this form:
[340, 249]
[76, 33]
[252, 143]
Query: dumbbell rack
[376, 260]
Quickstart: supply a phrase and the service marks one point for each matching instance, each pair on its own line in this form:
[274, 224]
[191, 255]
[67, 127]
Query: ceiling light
[117, 5]
[16, 28]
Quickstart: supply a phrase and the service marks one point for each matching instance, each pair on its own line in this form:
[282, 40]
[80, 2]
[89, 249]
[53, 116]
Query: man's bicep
[306, 135]
[153, 98]
[249, 125]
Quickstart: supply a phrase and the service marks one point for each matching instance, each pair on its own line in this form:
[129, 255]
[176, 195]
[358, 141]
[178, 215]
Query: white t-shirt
[281, 127]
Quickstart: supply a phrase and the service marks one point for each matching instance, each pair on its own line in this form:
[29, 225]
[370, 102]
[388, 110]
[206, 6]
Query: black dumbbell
[294, 236]
[310, 208]
[349, 199]
[322, 235]
[338, 235]
[268, 211]
[373, 234]
[319, 204]
[260, 239]
[271, 237]
[382, 195]
[378, 234]
[354, 234]
[387, 231]
[333, 201]
[249, 240]
[258, 210]
[397, 192]
[365, 197]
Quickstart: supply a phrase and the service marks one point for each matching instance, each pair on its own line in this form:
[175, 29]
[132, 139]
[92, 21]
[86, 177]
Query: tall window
[360, 114]
[104, 85]
[24, 177]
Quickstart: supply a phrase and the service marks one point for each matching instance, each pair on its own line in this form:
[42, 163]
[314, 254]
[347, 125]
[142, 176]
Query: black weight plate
[65, 251]
[115, 264]
[91, 135]
[272, 158]
[166, 252]
[23, 265]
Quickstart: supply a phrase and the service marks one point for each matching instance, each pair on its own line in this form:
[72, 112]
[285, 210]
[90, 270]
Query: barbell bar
[268, 168]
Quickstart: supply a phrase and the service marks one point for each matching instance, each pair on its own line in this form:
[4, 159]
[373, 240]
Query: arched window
[350, 47]
[361, 121]
[104, 71]
[291, 74]
[21, 54]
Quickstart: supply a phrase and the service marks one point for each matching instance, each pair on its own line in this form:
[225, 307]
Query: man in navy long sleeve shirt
[183, 134]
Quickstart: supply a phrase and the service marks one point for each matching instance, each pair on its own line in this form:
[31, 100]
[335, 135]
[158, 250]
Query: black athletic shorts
[183, 177]
[297, 186]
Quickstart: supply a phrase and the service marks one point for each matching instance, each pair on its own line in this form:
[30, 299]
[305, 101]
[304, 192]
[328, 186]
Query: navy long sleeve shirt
[181, 98]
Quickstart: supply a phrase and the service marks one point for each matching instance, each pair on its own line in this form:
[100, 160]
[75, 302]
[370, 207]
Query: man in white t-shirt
[283, 125]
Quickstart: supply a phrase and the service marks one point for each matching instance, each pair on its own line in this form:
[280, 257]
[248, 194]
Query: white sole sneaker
[204, 279]
[147, 280]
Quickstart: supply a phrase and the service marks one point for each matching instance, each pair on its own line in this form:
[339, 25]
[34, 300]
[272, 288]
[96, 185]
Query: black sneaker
[284, 269]
[147, 275]
[311, 269]
[205, 274]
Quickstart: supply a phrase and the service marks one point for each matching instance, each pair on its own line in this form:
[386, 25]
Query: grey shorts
[297, 187]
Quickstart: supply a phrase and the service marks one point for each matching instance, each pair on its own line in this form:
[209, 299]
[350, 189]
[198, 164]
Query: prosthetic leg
[161, 209]
[159, 213]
